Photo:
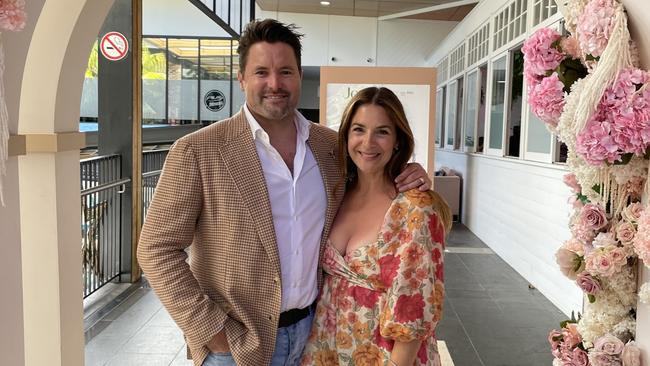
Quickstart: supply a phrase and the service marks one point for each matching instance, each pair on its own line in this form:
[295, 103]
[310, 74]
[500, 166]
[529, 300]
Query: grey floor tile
[139, 359]
[155, 339]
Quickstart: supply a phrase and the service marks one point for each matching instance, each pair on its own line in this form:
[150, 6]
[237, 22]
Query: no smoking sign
[114, 46]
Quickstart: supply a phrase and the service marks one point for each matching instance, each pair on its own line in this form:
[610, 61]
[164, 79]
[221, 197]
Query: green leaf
[596, 188]
[592, 298]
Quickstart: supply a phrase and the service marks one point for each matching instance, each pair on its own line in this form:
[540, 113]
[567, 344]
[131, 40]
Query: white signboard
[414, 98]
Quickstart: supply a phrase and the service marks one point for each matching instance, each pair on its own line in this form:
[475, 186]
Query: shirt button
[270, 317]
[276, 279]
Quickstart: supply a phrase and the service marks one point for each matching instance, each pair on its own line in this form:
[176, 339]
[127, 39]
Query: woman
[383, 294]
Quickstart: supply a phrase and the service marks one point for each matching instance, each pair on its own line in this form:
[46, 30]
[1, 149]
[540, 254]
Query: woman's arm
[404, 353]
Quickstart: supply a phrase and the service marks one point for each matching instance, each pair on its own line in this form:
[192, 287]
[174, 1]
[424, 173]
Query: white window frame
[477, 95]
[451, 130]
[488, 106]
[440, 108]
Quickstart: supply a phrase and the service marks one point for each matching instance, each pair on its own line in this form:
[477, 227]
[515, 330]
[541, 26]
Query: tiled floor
[491, 318]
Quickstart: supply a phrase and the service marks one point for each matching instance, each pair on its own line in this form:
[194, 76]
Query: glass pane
[215, 80]
[539, 139]
[440, 110]
[238, 96]
[497, 104]
[183, 71]
[515, 103]
[452, 98]
[154, 89]
[471, 109]
[89, 94]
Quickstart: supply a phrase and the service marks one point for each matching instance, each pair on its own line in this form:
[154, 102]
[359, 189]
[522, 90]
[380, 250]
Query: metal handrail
[102, 187]
[151, 173]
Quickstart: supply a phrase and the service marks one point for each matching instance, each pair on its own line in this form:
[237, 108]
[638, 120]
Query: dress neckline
[377, 238]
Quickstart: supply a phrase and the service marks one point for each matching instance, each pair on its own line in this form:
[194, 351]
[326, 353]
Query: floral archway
[588, 89]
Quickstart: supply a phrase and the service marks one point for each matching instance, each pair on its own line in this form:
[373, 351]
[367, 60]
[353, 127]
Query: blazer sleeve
[169, 229]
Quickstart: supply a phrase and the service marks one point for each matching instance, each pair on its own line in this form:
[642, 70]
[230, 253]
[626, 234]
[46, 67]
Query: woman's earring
[396, 148]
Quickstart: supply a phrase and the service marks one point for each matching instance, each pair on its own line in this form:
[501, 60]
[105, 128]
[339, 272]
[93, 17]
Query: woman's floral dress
[384, 291]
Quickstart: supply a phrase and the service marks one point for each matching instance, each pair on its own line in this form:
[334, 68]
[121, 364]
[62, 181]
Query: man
[256, 195]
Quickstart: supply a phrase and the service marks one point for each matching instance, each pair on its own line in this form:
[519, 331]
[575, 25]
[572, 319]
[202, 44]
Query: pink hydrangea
[595, 26]
[540, 52]
[621, 123]
[12, 15]
[547, 99]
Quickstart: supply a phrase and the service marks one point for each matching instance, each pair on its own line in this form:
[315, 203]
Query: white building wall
[402, 42]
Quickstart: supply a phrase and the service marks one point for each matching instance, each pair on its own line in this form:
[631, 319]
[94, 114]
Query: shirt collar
[301, 123]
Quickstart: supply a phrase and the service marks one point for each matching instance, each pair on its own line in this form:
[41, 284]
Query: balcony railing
[101, 222]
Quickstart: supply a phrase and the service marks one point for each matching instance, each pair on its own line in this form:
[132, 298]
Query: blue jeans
[289, 343]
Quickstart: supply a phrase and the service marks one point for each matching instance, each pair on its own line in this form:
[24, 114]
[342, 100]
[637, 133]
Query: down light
[325, 3]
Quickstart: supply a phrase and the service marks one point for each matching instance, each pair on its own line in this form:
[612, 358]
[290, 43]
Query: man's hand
[219, 343]
[411, 177]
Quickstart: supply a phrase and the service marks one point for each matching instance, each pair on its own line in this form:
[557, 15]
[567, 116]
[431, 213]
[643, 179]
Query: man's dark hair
[271, 31]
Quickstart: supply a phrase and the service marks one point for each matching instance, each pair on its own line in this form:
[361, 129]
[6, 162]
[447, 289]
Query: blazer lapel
[240, 156]
[325, 156]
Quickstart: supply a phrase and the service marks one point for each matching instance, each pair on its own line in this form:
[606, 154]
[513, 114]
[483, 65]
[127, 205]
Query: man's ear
[240, 78]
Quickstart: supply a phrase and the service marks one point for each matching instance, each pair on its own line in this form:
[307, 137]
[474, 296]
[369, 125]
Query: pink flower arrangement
[12, 15]
[595, 26]
[609, 350]
[620, 126]
[570, 263]
[605, 261]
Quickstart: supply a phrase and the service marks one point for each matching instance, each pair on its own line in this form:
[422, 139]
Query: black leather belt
[291, 317]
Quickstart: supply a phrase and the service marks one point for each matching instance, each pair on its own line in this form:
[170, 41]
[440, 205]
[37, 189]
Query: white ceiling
[375, 8]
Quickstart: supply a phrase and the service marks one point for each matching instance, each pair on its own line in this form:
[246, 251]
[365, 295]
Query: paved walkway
[491, 318]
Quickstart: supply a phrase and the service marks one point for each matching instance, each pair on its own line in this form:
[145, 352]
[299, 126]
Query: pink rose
[609, 344]
[604, 240]
[593, 217]
[625, 232]
[588, 283]
[570, 335]
[599, 262]
[571, 46]
[632, 212]
[571, 181]
[570, 263]
[599, 358]
[574, 245]
[631, 355]
[554, 338]
[575, 357]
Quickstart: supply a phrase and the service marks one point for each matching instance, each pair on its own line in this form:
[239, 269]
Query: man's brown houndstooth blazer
[212, 194]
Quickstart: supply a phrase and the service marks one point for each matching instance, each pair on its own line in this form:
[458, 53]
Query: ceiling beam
[428, 9]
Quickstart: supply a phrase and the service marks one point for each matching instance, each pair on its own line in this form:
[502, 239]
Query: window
[509, 23]
[475, 110]
[515, 103]
[451, 115]
[442, 70]
[154, 80]
[542, 10]
[478, 45]
[457, 61]
[440, 112]
[183, 81]
[497, 106]
[215, 80]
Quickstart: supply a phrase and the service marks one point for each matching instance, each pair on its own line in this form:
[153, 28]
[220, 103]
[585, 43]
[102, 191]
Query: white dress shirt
[298, 204]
